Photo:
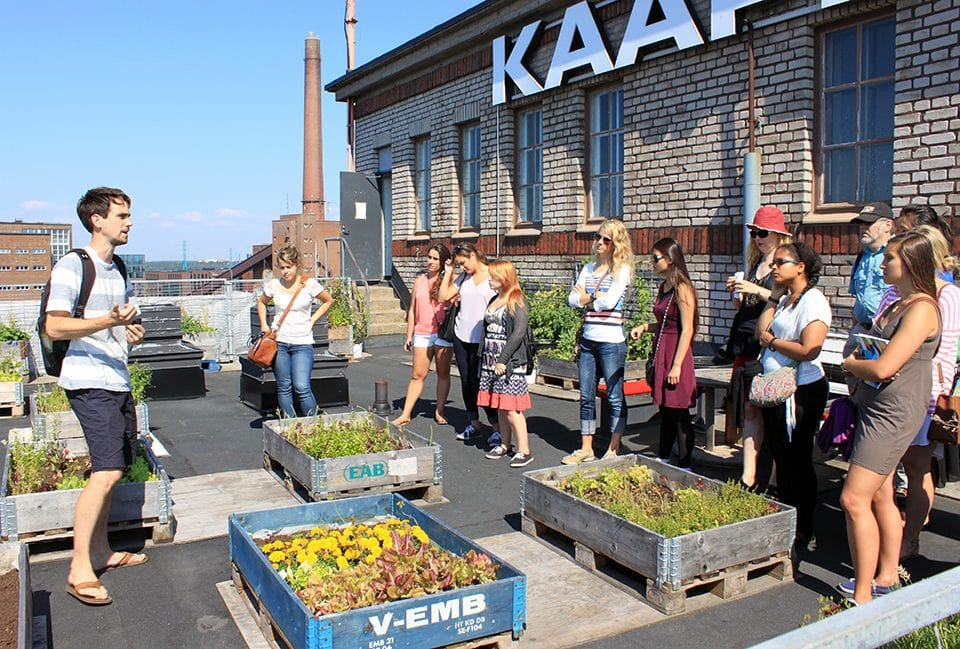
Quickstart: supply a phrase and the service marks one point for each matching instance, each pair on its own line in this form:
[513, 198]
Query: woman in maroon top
[674, 383]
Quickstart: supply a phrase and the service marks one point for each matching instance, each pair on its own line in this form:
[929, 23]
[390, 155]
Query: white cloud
[193, 216]
[34, 205]
[229, 212]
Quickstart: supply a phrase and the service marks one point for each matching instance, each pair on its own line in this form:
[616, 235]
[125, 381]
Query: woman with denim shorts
[294, 358]
[600, 291]
[424, 316]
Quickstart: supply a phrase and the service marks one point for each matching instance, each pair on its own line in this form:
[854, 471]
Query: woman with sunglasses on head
[600, 291]
[916, 459]
[674, 383]
[471, 289]
[767, 232]
[423, 320]
[791, 329]
[892, 399]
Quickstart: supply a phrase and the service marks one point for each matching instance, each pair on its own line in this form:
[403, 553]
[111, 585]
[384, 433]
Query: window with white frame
[422, 182]
[856, 113]
[470, 175]
[606, 154]
[530, 166]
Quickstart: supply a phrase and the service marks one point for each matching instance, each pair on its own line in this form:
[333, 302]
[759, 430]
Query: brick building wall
[24, 265]
[685, 123]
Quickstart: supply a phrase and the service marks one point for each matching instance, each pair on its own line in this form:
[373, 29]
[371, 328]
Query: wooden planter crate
[49, 515]
[565, 374]
[18, 350]
[25, 605]
[66, 427]
[418, 467]
[465, 617]
[721, 557]
[11, 398]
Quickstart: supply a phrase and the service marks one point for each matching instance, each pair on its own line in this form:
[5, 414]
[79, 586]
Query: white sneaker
[579, 456]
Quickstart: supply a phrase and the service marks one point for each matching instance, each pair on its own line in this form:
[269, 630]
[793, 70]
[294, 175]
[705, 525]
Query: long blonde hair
[942, 260]
[753, 252]
[511, 293]
[622, 248]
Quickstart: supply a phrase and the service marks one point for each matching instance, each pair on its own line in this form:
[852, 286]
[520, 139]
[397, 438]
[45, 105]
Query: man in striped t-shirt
[95, 377]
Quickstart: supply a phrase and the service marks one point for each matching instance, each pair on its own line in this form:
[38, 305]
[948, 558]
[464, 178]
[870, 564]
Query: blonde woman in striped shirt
[600, 291]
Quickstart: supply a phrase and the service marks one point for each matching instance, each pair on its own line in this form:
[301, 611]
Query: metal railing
[882, 620]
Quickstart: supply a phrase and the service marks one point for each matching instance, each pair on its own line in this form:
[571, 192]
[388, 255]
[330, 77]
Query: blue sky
[195, 109]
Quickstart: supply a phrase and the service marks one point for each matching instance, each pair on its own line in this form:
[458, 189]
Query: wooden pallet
[275, 638]
[11, 409]
[727, 583]
[427, 491]
[558, 382]
[159, 532]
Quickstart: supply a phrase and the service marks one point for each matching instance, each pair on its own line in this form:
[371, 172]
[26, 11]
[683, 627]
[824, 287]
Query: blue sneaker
[847, 587]
[468, 434]
[494, 439]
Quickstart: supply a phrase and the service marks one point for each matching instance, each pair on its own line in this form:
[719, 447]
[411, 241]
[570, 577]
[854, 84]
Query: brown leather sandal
[89, 600]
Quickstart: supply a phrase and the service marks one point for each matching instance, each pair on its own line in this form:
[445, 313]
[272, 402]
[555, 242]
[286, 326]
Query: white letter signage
[578, 19]
[677, 24]
[513, 65]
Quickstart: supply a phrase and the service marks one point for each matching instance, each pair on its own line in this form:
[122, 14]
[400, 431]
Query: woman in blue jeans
[294, 358]
[600, 291]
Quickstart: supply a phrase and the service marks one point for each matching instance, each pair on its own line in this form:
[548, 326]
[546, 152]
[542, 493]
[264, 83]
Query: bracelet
[772, 300]
[770, 344]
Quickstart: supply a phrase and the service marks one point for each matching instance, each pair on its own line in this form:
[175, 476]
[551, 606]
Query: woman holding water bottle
[767, 233]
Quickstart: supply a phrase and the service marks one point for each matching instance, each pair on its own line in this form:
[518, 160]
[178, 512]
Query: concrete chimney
[312, 137]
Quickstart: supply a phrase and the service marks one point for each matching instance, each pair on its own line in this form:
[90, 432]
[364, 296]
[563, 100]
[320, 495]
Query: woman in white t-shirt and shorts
[294, 358]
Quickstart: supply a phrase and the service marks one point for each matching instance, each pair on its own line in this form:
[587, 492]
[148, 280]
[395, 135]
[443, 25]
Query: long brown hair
[916, 254]
[677, 272]
[511, 293]
[444, 257]
[466, 249]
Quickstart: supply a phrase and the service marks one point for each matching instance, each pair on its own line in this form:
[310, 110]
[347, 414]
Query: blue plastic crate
[435, 620]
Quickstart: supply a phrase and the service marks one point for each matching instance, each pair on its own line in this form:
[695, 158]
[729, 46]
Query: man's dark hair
[97, 201]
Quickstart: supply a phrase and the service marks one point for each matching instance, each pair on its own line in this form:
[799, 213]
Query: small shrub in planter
[194, 326]
[320, 438]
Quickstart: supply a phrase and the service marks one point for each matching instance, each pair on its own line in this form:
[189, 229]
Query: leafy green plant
[141, 380]
[38, 466]
[52, 399]
[72, 482]
[632, 494]
[192, 325]
[642, 304]
[11, 331]
[554, 321]
[340, 438]
[11, 370]
[349, 308]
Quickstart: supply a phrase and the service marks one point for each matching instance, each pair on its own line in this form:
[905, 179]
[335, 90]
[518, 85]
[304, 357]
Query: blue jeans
[610, 359]
[292, 367]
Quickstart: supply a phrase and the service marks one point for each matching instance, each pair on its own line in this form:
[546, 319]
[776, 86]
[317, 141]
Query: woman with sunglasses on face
[600, 291]
[423, 320]
[791, 329]
[674, 383]
[889, 415]
[472, 289]
[767, 232]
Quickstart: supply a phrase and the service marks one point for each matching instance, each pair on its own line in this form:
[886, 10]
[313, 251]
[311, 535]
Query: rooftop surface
[173, 600]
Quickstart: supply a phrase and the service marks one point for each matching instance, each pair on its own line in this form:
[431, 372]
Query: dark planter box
[177, 372]
[463, 615]
[258, 386]
[563, 369]
[161, 322]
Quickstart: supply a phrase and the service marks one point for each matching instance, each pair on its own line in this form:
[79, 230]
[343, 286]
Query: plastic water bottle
[737, 277]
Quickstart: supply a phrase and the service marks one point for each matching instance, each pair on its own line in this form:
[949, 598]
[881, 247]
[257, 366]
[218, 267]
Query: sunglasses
[780, 262]
[656, 258]
[759, 233]
[606, 240]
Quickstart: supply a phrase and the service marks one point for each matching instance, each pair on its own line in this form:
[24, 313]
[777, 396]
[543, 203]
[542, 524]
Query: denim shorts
[109, 422]
[429, 340]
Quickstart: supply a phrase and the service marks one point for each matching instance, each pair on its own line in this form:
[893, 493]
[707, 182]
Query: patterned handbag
[773, 389]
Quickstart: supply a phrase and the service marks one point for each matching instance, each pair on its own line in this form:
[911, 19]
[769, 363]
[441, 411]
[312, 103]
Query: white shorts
[429, 340]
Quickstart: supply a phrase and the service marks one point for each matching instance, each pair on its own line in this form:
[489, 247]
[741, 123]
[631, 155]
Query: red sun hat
[769, 218]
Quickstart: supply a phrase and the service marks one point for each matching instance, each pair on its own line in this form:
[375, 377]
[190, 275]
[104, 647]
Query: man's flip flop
[126, 559]
[89, 600]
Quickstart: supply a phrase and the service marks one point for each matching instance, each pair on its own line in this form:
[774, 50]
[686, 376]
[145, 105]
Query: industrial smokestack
[312, 137]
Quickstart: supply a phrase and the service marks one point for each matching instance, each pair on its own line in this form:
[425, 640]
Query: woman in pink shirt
[423, 320]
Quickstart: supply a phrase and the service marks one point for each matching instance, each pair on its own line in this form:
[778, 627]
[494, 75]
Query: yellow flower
[276, 557]
[317, 531]
[315, 546]
[298, 543]
[301, 556]
[351, 554]
[369, 558]
[419, 534]
[388, 543]
[342, 563]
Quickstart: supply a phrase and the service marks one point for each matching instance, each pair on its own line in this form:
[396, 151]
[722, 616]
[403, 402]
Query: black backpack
[54, 351]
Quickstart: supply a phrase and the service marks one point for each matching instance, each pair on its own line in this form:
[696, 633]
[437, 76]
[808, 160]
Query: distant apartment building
[60, 235]
[25, 263]
[136, 265]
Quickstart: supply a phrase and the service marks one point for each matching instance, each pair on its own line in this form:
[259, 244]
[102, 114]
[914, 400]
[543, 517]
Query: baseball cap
[873, 212]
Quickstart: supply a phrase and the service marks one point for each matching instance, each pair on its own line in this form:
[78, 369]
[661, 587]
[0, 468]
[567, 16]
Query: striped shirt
[946, 359]
[97, 361]
[603, 320]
